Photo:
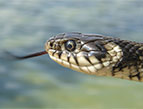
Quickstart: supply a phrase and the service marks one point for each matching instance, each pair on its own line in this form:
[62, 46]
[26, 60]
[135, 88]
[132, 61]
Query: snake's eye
[70, 45]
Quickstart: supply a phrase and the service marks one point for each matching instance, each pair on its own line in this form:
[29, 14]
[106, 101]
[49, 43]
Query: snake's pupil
[70, 45]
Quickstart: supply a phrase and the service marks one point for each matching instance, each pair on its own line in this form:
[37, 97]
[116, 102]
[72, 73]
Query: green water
[25, 25]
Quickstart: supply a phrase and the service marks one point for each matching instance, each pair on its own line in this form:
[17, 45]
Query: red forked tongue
[30, 55]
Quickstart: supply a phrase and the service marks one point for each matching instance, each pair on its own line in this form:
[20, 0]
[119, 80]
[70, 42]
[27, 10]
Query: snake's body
[97, 54]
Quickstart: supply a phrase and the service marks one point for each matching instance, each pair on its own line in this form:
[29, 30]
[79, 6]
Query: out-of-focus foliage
[25, 25]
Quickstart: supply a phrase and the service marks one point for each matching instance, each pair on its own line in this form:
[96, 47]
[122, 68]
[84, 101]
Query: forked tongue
[28, 56]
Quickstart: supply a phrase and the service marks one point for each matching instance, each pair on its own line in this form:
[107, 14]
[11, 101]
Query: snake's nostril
[48, 45]
[51, 44]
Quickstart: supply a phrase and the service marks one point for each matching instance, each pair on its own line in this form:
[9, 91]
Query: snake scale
[96, 55]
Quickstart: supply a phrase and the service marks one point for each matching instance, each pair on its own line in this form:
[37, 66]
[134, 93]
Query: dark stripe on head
[60, 53]
[100, 47]
[54, 53]
[87, 58]
[68, 57]
[75, 57]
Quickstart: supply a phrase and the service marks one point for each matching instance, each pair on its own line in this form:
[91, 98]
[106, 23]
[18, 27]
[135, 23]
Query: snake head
[83, 53]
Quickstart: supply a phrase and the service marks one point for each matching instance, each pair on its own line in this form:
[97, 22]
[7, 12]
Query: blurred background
[25, 25]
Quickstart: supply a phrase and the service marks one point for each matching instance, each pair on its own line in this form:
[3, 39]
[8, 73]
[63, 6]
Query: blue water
[25, 25]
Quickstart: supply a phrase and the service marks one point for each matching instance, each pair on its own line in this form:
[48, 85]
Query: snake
[95, 54]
